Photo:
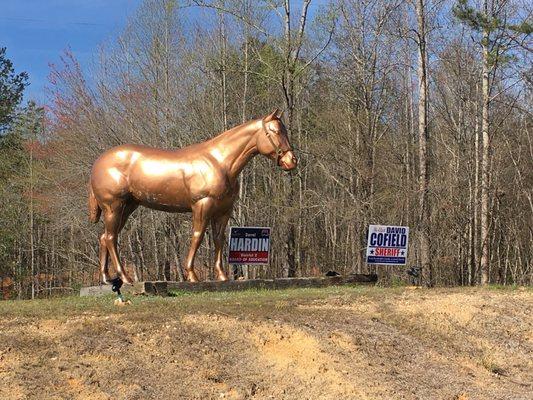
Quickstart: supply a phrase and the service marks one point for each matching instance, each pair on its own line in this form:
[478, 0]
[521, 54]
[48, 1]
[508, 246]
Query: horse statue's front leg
[218, 225]
[201, 214]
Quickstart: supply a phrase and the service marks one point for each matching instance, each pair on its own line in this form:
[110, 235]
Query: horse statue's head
[273, 142]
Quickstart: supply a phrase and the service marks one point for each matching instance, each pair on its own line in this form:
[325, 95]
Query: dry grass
[333, 343]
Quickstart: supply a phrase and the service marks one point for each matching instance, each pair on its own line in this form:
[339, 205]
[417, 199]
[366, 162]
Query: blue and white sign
[387, 244]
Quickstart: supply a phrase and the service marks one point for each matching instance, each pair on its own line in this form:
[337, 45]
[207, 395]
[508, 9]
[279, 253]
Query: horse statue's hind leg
[115, 217]
[103, 256]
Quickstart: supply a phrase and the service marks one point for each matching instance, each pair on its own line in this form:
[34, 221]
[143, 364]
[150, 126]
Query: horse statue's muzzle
[288, 161]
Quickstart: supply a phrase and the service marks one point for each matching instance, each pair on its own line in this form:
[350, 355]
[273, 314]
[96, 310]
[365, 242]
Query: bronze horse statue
[201, 178]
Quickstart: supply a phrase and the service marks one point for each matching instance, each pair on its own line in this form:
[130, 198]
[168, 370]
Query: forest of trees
[402, 112]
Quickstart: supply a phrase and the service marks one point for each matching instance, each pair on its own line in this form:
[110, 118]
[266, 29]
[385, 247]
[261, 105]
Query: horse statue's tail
[94, 208]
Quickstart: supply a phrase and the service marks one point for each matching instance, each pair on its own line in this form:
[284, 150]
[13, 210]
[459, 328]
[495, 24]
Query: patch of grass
[178, 293]
[264, 294]
[490, 365]
[251, 300]
[103, 305]
[503, 287]
[397, 282]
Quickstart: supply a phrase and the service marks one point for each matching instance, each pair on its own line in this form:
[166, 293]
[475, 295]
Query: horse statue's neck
[235, 147]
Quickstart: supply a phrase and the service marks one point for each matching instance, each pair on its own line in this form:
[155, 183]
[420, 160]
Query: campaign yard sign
[387, 244]
[249, 245]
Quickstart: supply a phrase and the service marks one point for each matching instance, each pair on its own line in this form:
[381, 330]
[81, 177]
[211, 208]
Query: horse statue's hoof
[122, 303]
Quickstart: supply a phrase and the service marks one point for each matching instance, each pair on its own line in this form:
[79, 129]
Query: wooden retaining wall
[162, 288]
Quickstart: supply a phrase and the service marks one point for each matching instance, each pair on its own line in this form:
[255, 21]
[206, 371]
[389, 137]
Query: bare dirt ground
[333, 343]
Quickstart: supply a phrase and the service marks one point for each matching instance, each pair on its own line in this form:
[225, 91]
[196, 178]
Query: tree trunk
[485, 172]
[423, 135]
[475, 220]
[32, 244]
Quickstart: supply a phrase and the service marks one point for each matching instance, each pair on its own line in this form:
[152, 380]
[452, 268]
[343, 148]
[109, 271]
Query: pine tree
[497, 37]
[12, 87]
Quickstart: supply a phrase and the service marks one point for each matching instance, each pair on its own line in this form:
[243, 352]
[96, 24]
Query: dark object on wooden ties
[116, 285]
[415, 274]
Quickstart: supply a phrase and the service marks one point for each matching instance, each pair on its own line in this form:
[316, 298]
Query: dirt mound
[334, 343]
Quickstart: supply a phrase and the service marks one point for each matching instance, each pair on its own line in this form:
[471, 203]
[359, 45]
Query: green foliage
[480, 22]
[494, 57]
[265, 70]
[11, 89]
[14, 132]
[15, 182]
[524, 27]
[469, 15]
[12, 161]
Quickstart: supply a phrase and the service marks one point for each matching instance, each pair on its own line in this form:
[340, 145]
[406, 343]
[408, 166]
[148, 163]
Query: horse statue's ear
[279, 113]
[272, 116]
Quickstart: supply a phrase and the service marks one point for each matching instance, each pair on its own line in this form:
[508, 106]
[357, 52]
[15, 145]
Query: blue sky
[36, 32]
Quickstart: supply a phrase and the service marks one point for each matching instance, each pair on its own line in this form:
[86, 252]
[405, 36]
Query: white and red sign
[249, 245]
[387, 244]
